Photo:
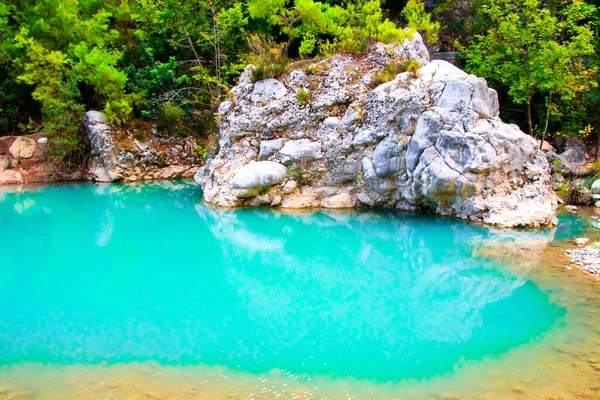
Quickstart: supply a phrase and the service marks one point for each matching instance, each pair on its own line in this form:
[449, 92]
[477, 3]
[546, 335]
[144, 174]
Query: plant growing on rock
[393, 69]
[267, 57]
[303, 97]
[203, 152]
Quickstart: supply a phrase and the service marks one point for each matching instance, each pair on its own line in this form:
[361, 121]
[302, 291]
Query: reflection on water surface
[180, 298]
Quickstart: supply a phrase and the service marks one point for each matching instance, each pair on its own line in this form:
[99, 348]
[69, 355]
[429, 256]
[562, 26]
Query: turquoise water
[121, 273]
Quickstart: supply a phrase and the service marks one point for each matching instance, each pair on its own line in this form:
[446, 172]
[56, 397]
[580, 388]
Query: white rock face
[265, 90]
[596, 187]
[103, 147]
[259, 174]
[431, 140]
[22, 148]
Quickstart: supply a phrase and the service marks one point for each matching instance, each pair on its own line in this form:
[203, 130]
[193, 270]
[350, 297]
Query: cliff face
[325, 135]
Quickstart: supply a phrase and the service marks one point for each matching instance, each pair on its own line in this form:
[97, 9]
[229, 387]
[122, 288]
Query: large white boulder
[259, 174]
[428, 139]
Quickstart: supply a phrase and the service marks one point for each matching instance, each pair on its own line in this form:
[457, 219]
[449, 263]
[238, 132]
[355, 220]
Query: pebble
[571, 208]
[587, 258]
[581, 241]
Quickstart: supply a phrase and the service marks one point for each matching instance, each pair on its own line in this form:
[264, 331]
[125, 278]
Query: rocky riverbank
[331, 134]
[127, 156]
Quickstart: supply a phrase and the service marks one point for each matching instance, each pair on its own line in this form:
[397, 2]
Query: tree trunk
[597, 145]
[529, 117]
[549, 103]
[286, 49]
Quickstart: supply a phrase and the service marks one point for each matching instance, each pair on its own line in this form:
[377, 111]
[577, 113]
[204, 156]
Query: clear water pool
[145, 274]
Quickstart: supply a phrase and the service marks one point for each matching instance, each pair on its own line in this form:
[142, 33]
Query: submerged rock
[587, 258]
[427, 140]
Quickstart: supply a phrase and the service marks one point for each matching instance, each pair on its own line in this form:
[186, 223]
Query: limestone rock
[432, 140]
[269, 147]
[22, 148]
[298, 150]
[289, 187]
[268, 89]
[342, 200]
[259, 174]
[595, 188]
[103, 151]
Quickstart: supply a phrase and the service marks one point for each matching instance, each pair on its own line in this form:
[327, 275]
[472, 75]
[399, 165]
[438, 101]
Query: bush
[267, 57]
[303, 97]
[203, 152]
[68, 149]
[170, 115]
[393, 69]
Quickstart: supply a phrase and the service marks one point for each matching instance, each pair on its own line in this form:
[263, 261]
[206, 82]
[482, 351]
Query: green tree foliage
[535, 49]
[420, 21]
[173, 61]
[323, 28]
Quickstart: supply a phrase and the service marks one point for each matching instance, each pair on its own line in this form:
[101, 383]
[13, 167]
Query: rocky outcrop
[429, 139]
[103, 148]
[131, 159]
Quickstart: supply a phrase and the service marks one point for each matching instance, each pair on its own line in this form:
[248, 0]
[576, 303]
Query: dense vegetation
[172, 62]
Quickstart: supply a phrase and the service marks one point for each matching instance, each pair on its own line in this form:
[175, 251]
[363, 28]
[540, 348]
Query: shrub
[267, 57]
[170, 115]
[68, 149]
[393, 69]
[203, 152]
[303, 97]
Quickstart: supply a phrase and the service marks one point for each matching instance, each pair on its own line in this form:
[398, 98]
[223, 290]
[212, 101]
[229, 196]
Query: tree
[418, 20]
[322, 27]
[534, 48]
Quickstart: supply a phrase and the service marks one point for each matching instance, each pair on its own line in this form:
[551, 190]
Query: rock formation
[22, 148]
[429, 139]
[103, 148]
[131, 160]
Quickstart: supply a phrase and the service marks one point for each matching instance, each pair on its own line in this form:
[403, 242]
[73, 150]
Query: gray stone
[331, 122]
[365, 199]
[388, 157]
[259, 174]
[268, 89]
[595, 188]
[42, 140]
[299, 150]
[269, 147]
[428, 127]
[143, 146]
[93, 118]
[22, 148]
[289, 187]
[225, 107]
